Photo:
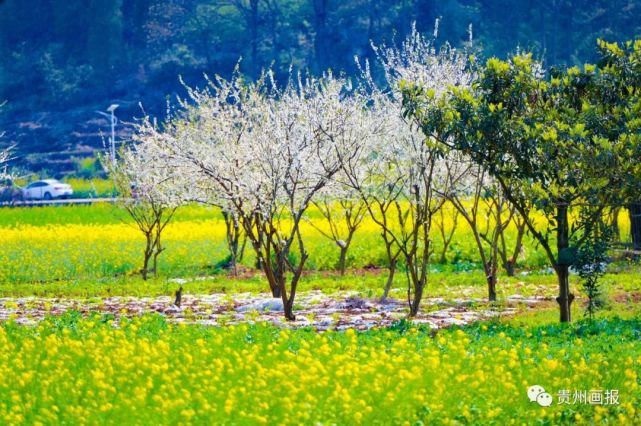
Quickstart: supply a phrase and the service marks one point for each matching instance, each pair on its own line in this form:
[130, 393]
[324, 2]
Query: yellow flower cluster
[147, 372]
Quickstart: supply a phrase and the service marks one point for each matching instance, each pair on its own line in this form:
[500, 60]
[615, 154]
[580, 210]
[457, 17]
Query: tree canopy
[562, 142]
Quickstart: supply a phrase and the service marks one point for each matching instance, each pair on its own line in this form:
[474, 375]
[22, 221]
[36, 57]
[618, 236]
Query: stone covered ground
[339, 310]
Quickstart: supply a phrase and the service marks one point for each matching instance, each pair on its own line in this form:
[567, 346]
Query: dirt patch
[632, 297]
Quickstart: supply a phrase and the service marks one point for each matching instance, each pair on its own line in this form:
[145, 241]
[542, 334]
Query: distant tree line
[61, 56]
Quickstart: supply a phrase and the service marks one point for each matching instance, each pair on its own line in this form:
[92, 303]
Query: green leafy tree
[620, 102]
[591, 260]
[541, 137]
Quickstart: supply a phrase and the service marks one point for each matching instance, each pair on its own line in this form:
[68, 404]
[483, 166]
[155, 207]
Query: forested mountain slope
[61, 60]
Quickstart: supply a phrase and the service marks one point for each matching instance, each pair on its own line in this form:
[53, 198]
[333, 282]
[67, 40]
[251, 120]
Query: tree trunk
[179, 295]
[342, 260]
[145, 267]
[233, 242]
[510, 267]
[510, 264]
[492, 270]
[275, 284]
[233, 253]
[491, 286]
[154, 268]
[288, 307]
[276, 287]
[563, 262]
[233, 265]
[635, 225]
[155, 261]
[288, 299]
[416, 300]
[390, 280]
[147, 253]
[565, 297]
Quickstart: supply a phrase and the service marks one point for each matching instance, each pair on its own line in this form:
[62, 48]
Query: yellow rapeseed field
[70, 371]
[51, 249]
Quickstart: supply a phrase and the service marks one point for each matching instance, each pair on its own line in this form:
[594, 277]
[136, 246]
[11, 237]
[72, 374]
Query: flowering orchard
[439, 128]
[558, 142]
[264, 153]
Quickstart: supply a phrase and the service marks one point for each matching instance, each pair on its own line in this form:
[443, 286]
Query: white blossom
[5, 156]
[418, 60]
[402, 175]
[263, 153]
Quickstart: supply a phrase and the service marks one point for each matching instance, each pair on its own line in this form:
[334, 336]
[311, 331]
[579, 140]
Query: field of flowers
[86, 371]
[67, 243]
[126, 367]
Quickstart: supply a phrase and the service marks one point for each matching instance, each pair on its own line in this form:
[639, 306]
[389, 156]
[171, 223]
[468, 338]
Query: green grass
[94, 214]
[441, 284]
[94, 188]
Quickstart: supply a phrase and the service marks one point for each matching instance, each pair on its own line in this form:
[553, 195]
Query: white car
[47, 189]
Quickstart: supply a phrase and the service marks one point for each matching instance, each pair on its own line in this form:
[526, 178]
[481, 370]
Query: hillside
[64, 60]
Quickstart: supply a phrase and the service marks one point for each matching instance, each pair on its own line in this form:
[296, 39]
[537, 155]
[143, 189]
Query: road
[38, 203]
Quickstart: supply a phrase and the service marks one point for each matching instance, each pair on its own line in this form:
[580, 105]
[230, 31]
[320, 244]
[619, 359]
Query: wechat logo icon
[537, 394]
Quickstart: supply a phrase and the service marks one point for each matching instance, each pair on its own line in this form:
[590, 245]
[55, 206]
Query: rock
[354, 303]
[366, 325]
[173, 309]
[271, 305]
[303, 321]
[324, 322]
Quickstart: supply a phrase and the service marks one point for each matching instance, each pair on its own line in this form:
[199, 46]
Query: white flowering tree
[8, 192]
[398, 178]
[343, 211]
[265, 153]
[212, 121]
[365, 174]
[481, 202]
[398, 173]
[150, 191]
[474, 195]
[5, 155]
